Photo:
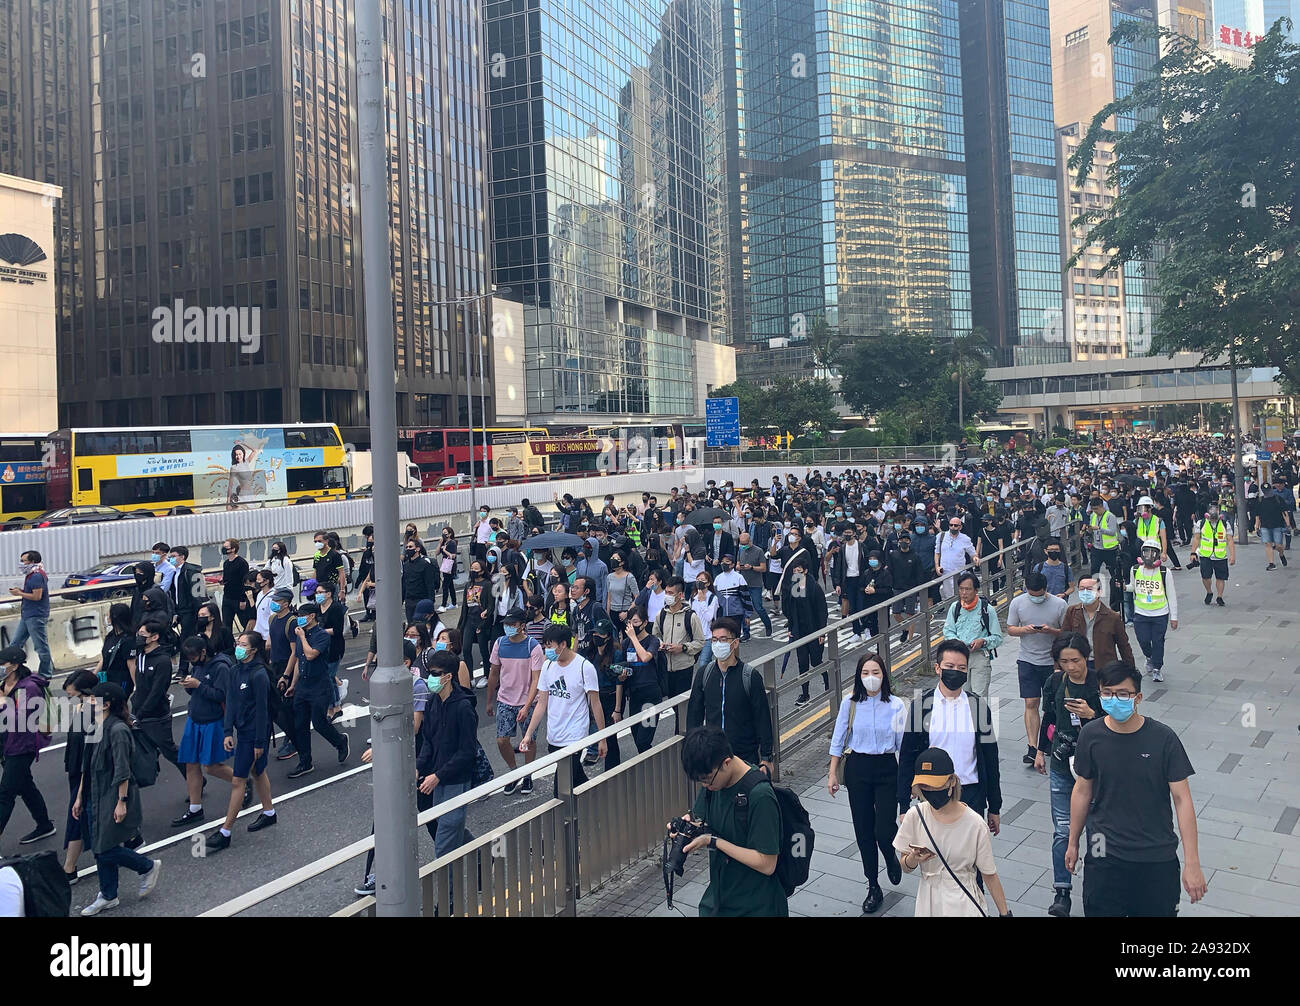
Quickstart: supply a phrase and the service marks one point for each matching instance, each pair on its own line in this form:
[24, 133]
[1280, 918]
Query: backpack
[659, 623]
[795, 857]
[984, 620]
[144, 759]
[297, 577]
[746, 677]
[46, 891]
[45, 716]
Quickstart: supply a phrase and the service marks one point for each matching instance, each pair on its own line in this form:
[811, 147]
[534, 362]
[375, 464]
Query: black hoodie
[448, 738]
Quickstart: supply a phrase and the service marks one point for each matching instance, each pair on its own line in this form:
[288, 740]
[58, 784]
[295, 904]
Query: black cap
[515, 615]
[933, 767]
[602, 627]
[13, 655]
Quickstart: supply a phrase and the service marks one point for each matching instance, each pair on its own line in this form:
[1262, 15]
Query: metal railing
[544, 861]
[923, 453]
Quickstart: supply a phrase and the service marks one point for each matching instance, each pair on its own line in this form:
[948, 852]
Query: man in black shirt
[153, 676]
[1126, 768]
[234, 589]
[747, 722]
[1272, 519]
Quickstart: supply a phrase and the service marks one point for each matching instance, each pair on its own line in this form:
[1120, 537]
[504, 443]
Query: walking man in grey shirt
[751, 563]
[1034, 617]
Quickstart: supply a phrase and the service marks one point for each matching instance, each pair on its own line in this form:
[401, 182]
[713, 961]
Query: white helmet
[1151, 543]
[1146, 501]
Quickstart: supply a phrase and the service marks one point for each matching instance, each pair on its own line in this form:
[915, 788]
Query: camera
[681, 832]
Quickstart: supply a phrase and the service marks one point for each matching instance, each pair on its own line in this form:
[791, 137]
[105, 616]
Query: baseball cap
[309, 586]
[282, 594]
[933, 768]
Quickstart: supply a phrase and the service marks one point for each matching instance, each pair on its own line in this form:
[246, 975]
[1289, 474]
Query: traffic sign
[722, 422]
[1263, 455]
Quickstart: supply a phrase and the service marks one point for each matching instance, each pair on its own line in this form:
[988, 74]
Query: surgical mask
[717, 525]
[1117, 708]
[873, 563]
[241, 652]
[1087, 596]
[872, 683]
[920, 529]
[551, 653]
[514, 630]
[276, 606]
[839, 513]
[1037, 598]
[434, 681]
[440, 645]
[175, 560]
[952, 679]
[322, 598]
[302, 621]
[936, 798]
[792, 538]
[155, 558]
[721, 650]
[319, 550]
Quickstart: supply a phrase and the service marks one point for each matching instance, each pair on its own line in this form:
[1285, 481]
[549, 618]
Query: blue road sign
[1263, 455]
[722, 422]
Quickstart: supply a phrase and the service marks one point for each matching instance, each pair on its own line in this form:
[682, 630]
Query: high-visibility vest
[1108, 540]
[1149, 590]
[1148, 527]
[1214, 541]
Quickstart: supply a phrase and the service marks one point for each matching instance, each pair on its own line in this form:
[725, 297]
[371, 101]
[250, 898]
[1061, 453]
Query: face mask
[897, 526]
[440, 645]
[202, 621]
[434, 681]
[277, 606]
[302, 621]
[482, 513]
[793, 539]
[936, 798]
[241, 652]
[721, 650]
[1118, 709]
[551, 653]
[873, 563]
[175, 560]
[872, 683]
[952, 680]
[680, 519]
[839, 513]
[322, 598]
[1054, 556]
[1039, 599]
[142, 641]
[717, 525]
[920, 529]
[319, 551]
[155, 558]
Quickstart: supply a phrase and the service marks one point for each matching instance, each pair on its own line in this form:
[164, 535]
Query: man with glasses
[730, 696]
[974, 622]
[744, 837]
[1127, 768]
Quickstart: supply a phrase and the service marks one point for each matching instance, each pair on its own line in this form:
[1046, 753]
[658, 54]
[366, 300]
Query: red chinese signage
[1236, 37]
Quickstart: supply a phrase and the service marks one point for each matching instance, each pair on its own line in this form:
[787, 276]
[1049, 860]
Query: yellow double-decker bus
[199, 468]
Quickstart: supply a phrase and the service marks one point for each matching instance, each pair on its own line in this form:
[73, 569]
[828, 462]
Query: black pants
[643, 729]
[17, 781]
[311, 709]
[613, 756]
[1110, 558]
[160, 732]
[1119, 889]
[487, 634]
[872, 782]
[448, 588]
[804, 655]
[279, 708]
[230, 610]
[676, 682]
[579, 776]
[186, 628]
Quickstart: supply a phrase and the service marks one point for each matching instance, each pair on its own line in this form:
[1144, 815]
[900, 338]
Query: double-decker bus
[644, 448]
[443, 452]
[199, 468]
[23, 461]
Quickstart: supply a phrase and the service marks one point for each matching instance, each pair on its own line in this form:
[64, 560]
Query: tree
[790, 404]
[966, 356]
[1207, 182]
[824, 346]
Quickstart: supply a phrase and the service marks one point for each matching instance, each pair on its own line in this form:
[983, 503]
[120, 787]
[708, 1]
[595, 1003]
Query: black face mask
[202, 621]
[936, 797]
[952, 680]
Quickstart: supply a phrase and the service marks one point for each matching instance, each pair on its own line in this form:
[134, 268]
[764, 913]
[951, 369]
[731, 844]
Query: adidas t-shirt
[566, 686]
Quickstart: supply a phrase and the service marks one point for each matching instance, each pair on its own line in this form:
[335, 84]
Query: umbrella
[552, 539]
[1137, 462]
[706, 516]
[1218, 434]
[1062, 450]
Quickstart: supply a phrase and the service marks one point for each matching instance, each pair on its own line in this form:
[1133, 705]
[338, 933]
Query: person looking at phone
[1071, 699]
[1035, 618]
[948, 842]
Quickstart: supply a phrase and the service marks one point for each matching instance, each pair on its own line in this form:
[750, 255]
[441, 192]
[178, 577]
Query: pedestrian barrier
[543, 862]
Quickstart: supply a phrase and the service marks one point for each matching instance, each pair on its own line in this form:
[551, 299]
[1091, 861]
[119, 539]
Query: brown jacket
[1108, 633]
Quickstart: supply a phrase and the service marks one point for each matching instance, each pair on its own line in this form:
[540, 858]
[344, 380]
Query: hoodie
[247, 685]
[207, 700]
[23, 710]
[448, 738]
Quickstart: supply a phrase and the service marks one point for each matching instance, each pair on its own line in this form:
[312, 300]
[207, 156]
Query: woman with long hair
[864, 760]
[210, 626]
[447, 549]
[114, 655]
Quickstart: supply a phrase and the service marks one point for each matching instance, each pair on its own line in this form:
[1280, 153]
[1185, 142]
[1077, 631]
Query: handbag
[848, 739]
[447, 565]
[483, 771]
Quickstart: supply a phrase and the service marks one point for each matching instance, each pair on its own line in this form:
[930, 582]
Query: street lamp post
[1238, 468]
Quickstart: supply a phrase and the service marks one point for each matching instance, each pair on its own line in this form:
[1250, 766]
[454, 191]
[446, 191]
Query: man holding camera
[743, 836]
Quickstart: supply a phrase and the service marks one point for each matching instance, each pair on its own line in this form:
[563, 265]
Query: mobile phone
[921, 848]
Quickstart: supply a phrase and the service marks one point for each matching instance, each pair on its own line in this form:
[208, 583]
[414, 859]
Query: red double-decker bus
[443, 454]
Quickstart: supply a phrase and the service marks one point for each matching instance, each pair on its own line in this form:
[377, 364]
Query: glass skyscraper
[207, 153]
[607, 197]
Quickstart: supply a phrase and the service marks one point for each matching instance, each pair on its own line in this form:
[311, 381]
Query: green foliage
[859, 437]
[1056, 442]
[1210, 189]
[794, 405]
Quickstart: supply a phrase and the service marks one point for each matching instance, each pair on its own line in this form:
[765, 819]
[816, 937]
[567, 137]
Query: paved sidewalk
[1230, 678]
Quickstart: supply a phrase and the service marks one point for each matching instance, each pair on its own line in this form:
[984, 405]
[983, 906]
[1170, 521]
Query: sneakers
[1157, 674]
[1028, 758]
[854, 639]
[480, 682]
[366, 889]
[248, 796]
[100, 904]
[590, 757]
[1148, 665]
[526, 787]
[343, 691]
[510, 788]
[303, 770]
[38, 834]
[1282, 557]
[1270, 567]
[347, 749]
[285, 751]
[441, 608]
[73, 877]
[134, 842]
[355, 629]
[217, 841]
[150, 880]
[1060, 904]
[1209, 598]
[1219, 601]
[802, 700]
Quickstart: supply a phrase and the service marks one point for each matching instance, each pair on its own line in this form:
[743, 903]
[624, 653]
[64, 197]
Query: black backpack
[795, 858]
[46, 891]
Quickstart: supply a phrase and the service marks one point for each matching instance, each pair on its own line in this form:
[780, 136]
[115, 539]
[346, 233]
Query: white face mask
[872, 683]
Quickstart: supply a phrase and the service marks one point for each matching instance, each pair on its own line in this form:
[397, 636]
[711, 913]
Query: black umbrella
[1137, 462]
[553, 539]
[705, 516]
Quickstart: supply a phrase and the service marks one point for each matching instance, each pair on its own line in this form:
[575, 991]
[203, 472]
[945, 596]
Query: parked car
[72, 515]
[454, 482]
[110, 580]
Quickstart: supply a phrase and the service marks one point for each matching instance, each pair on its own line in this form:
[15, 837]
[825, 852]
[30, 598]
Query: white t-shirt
[11, 894]
[567, 712]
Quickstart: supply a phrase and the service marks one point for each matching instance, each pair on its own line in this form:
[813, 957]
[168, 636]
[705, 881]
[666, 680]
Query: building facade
[28, 367]
[608, 203]
[208, 154]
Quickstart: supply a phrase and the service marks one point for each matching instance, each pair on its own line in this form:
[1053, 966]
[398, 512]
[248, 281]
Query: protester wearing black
[730, 696]
[115, 652]
[311, 690]
[419, 578]
[246, 727]
[234, 584]
[804, 603]
[444, 765]
[153, 675]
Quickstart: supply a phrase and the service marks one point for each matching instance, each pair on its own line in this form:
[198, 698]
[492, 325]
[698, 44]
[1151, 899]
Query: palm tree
[824, 345]
[966, 354]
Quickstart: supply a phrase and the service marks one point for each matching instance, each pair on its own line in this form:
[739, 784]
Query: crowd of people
[578, 622]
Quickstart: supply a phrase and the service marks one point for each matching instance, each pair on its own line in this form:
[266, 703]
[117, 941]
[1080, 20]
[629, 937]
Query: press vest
[1149, 527]
[1149, 591]
[1214, 541]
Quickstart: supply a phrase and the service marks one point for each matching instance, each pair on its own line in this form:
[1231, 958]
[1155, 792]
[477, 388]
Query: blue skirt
[203, 744]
